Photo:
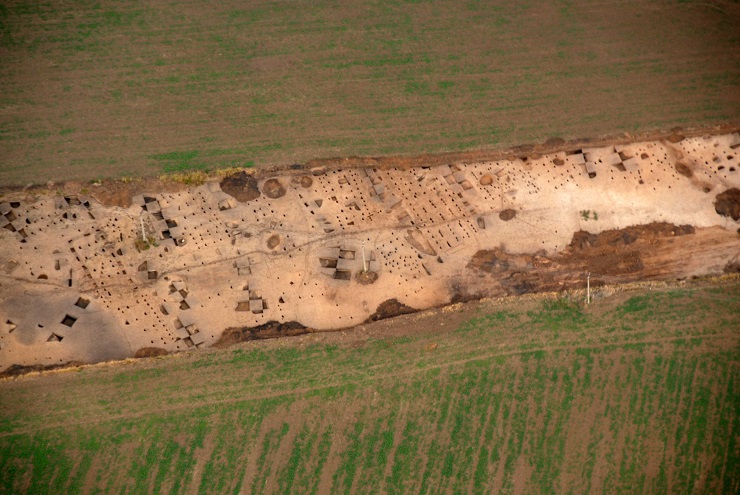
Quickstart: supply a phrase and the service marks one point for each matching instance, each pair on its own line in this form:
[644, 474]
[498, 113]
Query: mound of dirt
[727, 203]
[273, 189]
[241, 186]
[146, 352]
[269, 330]
[389, 309]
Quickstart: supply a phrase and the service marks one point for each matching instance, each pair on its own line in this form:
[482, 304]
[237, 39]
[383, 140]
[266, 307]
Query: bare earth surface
[111, 88]
[250, 256]
[637, 392]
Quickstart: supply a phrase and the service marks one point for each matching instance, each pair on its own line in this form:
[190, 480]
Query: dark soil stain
[269, 330]
[507, 214]
[727, 203]
[241, 186]
[273, 189]
[389, 309]
[145, 352]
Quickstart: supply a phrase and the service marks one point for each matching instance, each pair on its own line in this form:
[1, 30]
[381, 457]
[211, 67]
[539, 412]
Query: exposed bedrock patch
[269, 330]
[389, 309]
[241, 186]
[727, 203]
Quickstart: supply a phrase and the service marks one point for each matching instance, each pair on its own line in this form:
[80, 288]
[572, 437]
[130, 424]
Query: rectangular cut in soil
[69, 320]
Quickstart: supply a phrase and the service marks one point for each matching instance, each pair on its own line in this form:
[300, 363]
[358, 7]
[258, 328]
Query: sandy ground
[330, 249]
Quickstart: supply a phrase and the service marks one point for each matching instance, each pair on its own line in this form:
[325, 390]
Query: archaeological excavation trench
[311, 250]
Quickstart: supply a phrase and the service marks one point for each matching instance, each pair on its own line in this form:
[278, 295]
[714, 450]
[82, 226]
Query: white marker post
[364, 263]
[588, 288]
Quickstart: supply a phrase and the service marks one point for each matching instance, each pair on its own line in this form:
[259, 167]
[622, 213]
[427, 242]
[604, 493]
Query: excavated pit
[256, 256]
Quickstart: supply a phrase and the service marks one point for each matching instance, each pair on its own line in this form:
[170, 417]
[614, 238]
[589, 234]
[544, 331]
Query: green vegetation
[177, 87]
[632, 394]
[589, 215]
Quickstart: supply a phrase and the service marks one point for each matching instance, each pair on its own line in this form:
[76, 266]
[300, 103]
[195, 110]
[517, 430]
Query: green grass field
[109, 88]
[639, 393]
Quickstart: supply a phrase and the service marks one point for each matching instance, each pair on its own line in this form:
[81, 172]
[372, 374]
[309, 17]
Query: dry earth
[251, 257]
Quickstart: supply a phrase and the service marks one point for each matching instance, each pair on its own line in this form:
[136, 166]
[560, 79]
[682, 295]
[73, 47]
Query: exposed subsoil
[643, 252]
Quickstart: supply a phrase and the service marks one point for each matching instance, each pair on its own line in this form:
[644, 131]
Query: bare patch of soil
[241, 186]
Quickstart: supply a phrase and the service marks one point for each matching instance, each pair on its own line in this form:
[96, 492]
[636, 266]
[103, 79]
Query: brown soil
[728, 203]
[273, 241]
[367, 277]
[635, 253]
[241, 186]
[269, 330]
[389, 309]
[145, 352]
[684, 169]
[626, 236]
[273, 189]
[507, 214]
[18, 370]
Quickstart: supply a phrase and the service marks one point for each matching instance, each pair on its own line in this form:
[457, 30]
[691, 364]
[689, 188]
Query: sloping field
[104, 88]
[637, 393]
